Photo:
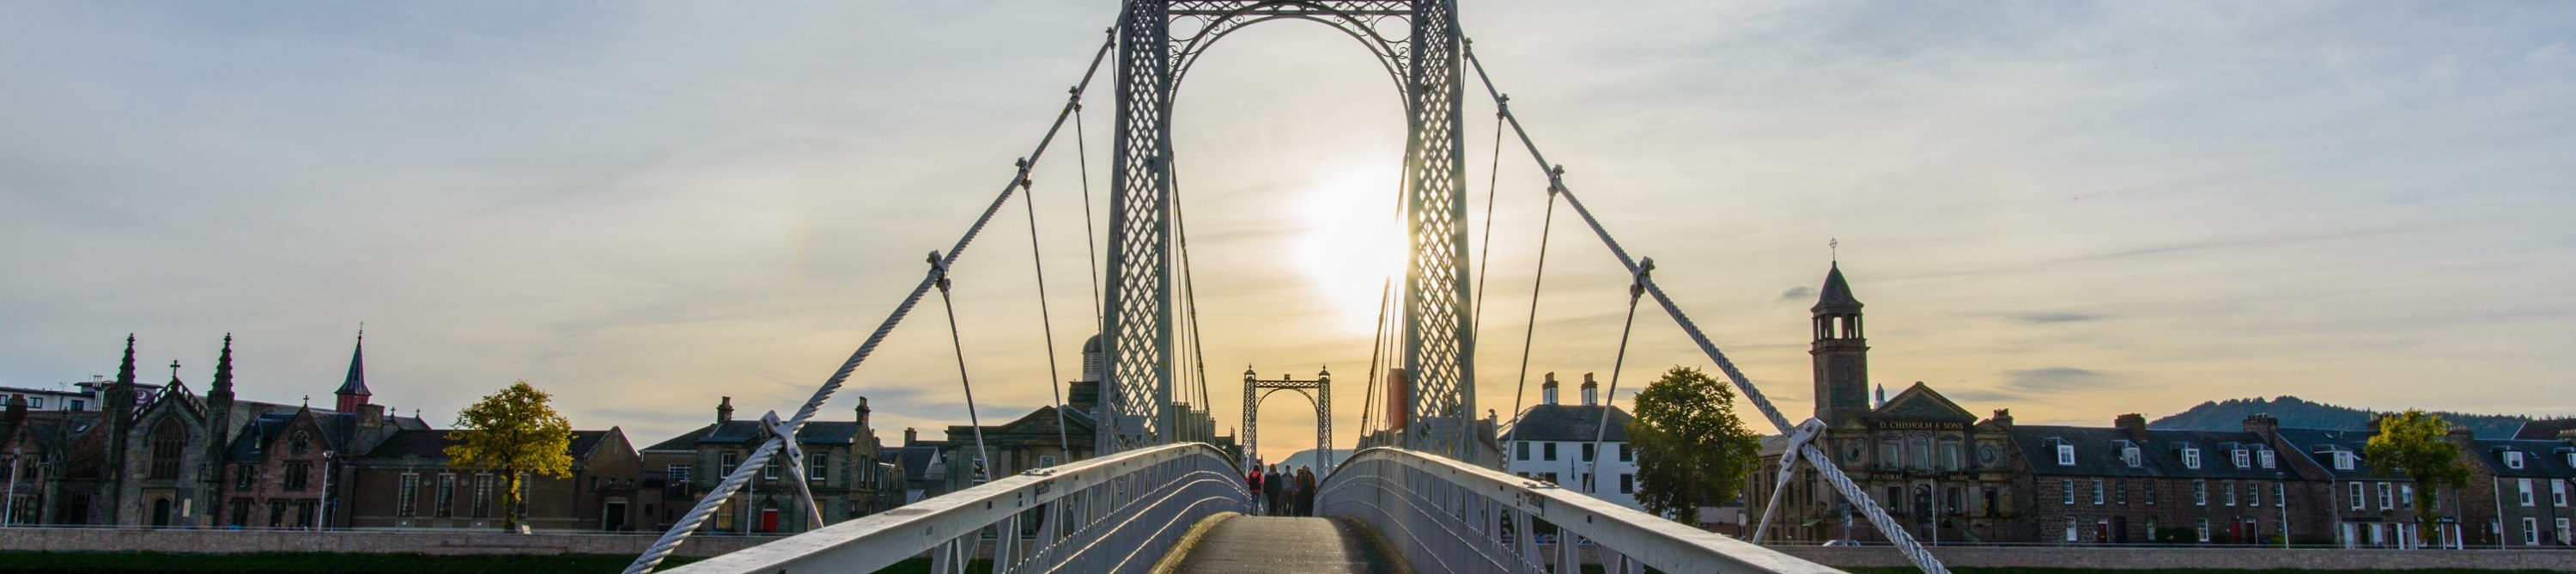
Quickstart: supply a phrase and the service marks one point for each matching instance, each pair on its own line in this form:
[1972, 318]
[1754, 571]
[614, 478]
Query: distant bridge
[1419, 500]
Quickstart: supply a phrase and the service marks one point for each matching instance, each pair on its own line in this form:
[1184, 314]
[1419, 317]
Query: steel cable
[1046, 319]
[983, 457]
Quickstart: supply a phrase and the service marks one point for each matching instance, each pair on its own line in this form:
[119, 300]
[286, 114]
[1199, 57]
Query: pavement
[1288, 544]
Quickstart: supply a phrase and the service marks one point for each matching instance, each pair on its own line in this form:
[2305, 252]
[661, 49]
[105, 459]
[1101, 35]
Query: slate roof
[432, 444]
[2098, 452]
[2319, 444]
[916, 460]
[1837, 292]
[2540, 458]
[1570, 423]
[1920, 402]
[2546, 429]
[749, 432]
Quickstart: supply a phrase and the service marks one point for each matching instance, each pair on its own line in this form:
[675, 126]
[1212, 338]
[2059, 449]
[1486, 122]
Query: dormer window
[2065, 454]
[2266, 455]
[2343, 460]
[2191, 458]
[2571, 459]
[2130, 455]
[2513, 459]
[2243, 459]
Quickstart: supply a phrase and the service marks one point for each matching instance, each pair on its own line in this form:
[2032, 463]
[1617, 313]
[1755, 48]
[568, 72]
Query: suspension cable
[983, 460]
[1090, 236]
[1485, 250]
[1046, 319]
[1601, 428]
[759, 456]
[1538, 278]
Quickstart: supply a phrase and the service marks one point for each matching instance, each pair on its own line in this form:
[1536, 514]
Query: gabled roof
[2545, 429]
[749, 432]
[2319, 445]
[1568, 423]
[2098, 452]
[1920, 402]
[2540, 458]
[432, 444]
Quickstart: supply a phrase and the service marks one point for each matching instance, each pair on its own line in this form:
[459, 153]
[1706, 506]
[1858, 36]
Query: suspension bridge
[1424, 496]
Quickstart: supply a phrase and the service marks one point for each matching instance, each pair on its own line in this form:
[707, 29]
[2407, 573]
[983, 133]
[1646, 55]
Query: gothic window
[167, 442]
[301, 443]
[243, 476]
[297, 473]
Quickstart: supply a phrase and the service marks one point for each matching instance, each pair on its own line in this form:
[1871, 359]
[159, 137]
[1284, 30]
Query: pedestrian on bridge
[1273, 487]
[1252, 482]
[1305, 491]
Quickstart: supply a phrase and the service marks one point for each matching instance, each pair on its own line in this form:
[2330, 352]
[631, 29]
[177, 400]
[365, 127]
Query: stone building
[2128, 484]
[1555, 443]
[845, 470]
[406, 482]
[2519, 490]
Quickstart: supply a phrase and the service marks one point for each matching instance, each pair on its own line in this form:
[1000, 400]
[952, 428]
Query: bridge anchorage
[1424, 489]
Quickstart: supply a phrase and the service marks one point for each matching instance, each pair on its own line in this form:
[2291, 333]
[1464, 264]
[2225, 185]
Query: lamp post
[322, 507]
[2281, 496]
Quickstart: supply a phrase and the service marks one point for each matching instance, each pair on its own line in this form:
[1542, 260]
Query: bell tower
[1841, 353]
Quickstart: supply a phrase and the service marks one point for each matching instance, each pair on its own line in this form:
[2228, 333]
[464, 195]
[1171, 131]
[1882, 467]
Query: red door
[769, 520]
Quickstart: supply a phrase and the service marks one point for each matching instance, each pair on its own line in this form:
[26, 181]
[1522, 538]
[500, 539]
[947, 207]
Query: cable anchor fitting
[939, 270]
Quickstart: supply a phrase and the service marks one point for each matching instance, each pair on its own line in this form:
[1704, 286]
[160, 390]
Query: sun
[1352, 241]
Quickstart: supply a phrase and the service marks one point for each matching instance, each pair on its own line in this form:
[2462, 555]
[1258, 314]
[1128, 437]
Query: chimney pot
[1591, 391]
[1547, 390]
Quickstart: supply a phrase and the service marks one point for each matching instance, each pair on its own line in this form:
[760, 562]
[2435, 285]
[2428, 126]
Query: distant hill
[1307, 457]
[2229, 415]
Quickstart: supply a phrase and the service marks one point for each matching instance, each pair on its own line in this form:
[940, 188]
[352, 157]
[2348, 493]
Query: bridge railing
[1446, 516]
[1119, 513]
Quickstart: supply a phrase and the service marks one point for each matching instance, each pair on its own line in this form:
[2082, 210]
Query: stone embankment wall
[23, 538]
[2099, 558]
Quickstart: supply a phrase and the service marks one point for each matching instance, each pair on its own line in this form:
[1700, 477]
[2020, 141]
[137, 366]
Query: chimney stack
[724, 411]
[1547, 390]
[910, 436]
[2133, 424]
[2002, 418]
[2263, 424]
[1591, 391]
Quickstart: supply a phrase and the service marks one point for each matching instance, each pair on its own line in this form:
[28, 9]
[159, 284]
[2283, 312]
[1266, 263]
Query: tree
[1691, 449]
[515, 432]
[2414, 444]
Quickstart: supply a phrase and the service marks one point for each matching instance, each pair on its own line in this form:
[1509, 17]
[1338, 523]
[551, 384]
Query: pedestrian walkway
[1288, 544]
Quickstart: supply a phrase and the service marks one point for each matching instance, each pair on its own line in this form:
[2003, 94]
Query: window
[818, 464]
[1523, 448]
[2070, 529]
[2406, 496]
[483, 495]
[403, 496]
[2097, 492]
[1950, 455]
[2227, 493]
[2253, 494]
[297, 473]
[35, 402]
[2343, 460]
[2070, 493]
[2558, 493]
[2130, 455]
[1547, 451]
[1890, 453]
[1921, 458]
[2571, 457]
[244, 476]
[2266, 456]
[1587, 452]
[2513, 459]
[2243, 458]
[78, 404]
[241, 512]
[2151, 494]
[2563, 537]
[1626, 455]
[302, 443]
[2065, 454]
[679, 473]
[446, 498]
[725, 462]
[2356, 495]
[2200, 493]
[770, 471]
[2121, 494]
[2523, 488]
[1627, 484]
[2191, 458]
[167, 441]
[2530, 531]
[2204, 530]
[2280, 494]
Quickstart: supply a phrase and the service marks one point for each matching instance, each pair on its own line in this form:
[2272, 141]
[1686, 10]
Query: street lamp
[322, 507]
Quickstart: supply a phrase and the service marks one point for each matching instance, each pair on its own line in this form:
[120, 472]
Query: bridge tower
[1157, 42]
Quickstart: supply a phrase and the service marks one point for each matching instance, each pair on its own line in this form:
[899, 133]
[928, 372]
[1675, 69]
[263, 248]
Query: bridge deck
[1289, 544]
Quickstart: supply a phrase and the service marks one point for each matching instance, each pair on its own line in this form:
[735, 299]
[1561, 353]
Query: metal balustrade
[1446, 516]
[1115, 514]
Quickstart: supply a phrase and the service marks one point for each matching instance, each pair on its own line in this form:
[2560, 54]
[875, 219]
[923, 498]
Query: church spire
[223, 384]
[353, 390]
[125, 371]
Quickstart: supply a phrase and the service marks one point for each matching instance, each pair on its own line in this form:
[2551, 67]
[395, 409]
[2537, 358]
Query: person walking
[1273, 485]
[1305, 492]
[1252, 484]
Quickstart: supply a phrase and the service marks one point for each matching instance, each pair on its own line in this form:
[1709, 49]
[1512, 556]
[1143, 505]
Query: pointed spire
[1837, 293]
[125, 371]
[356, 384]
[224, 369]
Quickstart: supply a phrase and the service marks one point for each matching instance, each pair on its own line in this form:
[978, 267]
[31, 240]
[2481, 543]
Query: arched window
[167, 442]
[302, 443]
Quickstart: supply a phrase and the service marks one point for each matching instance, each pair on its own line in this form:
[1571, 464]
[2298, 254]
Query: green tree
[2414, 444]
[516, 433]
[1691, 449]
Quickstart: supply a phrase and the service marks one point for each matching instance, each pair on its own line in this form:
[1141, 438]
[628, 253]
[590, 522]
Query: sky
[2069, 209]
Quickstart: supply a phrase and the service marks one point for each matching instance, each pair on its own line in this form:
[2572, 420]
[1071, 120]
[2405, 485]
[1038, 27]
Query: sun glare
[1352, 242]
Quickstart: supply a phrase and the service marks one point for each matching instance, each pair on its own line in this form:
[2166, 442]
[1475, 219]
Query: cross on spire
[174, 369]
[1835, 245]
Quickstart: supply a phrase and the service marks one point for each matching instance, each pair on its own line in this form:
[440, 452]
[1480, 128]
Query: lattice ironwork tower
[1419, 44]
[1319, 390]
